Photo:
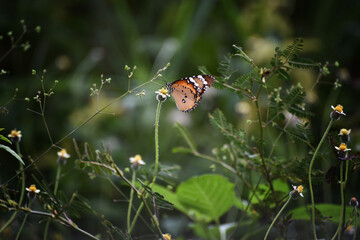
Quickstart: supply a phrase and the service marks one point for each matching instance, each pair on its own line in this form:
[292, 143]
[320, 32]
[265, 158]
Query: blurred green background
[80, 40]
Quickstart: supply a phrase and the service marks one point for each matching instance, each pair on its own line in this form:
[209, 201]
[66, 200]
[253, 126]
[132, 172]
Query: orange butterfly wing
[187, 91]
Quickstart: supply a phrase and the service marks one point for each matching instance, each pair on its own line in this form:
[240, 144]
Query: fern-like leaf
[219, 121]
[301, 62]
[294, 49]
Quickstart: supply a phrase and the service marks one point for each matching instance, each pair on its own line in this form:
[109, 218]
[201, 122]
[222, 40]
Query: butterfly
[187, 92]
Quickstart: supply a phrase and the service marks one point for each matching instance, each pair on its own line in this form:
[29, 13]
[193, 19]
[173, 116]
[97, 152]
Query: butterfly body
[187, 92]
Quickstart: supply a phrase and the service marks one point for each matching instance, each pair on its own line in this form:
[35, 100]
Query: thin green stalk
[338, 230]
[22, 190]
[276, 217]
[58, 171]
[310, 182]
[343, 190]
[57, 179]
[156, 169]
[356, 223]
[261, 150]
[23, 223]
[131, 200]
[156, 142]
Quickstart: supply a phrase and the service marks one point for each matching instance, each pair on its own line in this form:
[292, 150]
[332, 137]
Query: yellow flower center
[164, 91]
[300, 188]
[167, 236]
[342, 147]
[344, 131]
[63, 153]
[32, 188]
[137, 158]
[15, 133]
[338, 108]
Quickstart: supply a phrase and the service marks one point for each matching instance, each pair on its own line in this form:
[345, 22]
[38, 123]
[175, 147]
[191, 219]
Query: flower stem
[310, 183]
[156, 169]
[57, 179]
[276, 217]
[23, 223]
[131, 200]
[156, 142]
[338, 230]
[356, 223]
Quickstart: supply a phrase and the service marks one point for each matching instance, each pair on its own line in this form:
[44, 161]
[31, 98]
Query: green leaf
[240, 53]
[170, 196]
[294, 49]
[211, 195]
[9, 150]
[225, 68]
[186, 135]
[329, 211]
[159, 199]
[301, 62]
[182, 150]
[218, 120]
[264, 189]
[5, 139]
[244, 81]
[205, 231]
[284, 74]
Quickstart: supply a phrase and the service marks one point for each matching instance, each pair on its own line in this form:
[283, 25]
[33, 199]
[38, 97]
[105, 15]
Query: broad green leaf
[9, 150]
[329, 211]
[212, 195]
[172, 197]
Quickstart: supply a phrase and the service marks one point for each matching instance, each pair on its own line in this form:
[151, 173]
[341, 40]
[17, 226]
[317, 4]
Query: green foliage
[12, 152]
[211, 195]
[328, 212]
[263, 190]
[293, 101]
[219, 121]
[252, 169]
[156, 198]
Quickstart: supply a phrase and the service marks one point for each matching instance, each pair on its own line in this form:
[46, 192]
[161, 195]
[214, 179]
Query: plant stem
[342, 189]
[356, 223]
[23, 223]
[261, 150]
[310, 183]
[156, 169]
[57, 179]
[156, 142]
[276, 217]
[131, 201]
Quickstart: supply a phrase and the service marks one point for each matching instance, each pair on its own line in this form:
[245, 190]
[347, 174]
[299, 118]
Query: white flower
[63, 154]
[162, 94]
[33, 189]
[137, 160]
